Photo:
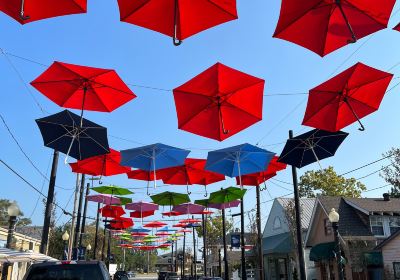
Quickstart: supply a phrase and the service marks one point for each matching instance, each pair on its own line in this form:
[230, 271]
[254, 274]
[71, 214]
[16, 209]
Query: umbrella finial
[22, 12]
[175, 39]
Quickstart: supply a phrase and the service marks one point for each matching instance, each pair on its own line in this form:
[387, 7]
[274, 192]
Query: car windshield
[66, 272]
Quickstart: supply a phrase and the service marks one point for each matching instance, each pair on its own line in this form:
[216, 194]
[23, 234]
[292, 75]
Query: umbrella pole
[176, 14]
[224, 131]
[83, 227]
[72, 233]
[194, 253]
[362, 128]
[79, 214]
[69, 148]
[203, 217]
[242, 242]
[300, 249]
[97, 231]
[22, 15]
[226, 271]
[259, 237]
[83, 103]
[316, 158]
[353, 36]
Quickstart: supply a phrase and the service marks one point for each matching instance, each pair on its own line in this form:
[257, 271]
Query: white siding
[391, 253]
[277, 212]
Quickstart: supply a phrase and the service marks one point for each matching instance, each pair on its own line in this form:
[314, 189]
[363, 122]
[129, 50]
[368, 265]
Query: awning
[373, 259]
[322, 252]
[277, 244]
[7, 255]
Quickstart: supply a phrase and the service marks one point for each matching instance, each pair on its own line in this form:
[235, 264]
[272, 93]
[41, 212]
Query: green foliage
[214, 230]
[328, 183]
[4, 204]
[391, 173]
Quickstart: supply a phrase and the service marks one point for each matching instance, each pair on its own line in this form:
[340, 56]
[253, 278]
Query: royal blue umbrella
[63, 132]
[311, 147]
[166, 229]
[154, 157]
[139, 229]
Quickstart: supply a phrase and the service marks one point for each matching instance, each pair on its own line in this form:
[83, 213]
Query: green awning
[277, 244]
[322, 251]
[373, 259]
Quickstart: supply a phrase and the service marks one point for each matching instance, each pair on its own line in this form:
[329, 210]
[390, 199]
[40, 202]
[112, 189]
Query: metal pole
[11, 227]
[72, 232]
[226, 271]
[104, 241]
[219, 262]
[108, 261]
[78, 220]
[49, 204]
[242, 241]
[172, 256]
[97, 231]
[204, 244]
[259, 237]
[300, 249]
[176, 256]
[338, 251]
[83, 227]
[184, 253]
[194, 254]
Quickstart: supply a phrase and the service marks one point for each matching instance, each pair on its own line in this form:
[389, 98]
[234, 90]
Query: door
[282, 269]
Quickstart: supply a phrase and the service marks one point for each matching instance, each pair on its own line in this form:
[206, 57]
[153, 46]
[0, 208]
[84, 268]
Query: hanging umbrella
[124, 200]
[103, 165]
[153, 157]
[325, 26]
[141, 214]
[139, 229]
[225, 205]
[166, 229]
[178, 19]
[110, 211]
[113, 190]
[191, 173]
[143, 175]
[25, 11]
[179, 225]
[170, 198]
[154, 224]
[346, 98]
[188, 208]
[142, 206]
[163, 233]
[311, 147]
[171, 213]
[104, 199]
[84, 88]
[219, 102]
[226, 195]
[397, 27]
[189, 221]
[63, 133]
[121, 223]
[184, 230]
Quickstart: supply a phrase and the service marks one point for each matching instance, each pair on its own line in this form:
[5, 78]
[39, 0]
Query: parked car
[131, 275]
[162, 275]
[68, 270]
[172, 276]
[121, 275]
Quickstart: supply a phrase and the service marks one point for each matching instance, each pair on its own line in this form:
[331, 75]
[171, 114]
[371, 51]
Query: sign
[235, 240]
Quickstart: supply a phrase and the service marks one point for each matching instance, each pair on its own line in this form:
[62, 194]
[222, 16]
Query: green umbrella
[170, 198]
[203, 202]
[226, 195]
[124, 200]
[113, 190]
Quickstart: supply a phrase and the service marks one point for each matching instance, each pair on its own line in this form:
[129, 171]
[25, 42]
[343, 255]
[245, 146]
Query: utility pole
[49, 204]
[259, 237]
[83, 227]
[79, 215]
[72, 232]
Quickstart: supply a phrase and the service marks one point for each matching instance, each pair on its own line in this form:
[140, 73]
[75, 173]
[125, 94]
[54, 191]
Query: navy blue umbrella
[154, 157]
[311, 147]
[63, 132]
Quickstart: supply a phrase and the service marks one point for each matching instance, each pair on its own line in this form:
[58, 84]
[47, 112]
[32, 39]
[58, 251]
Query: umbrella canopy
[170, 198]
[84, 88]
[124, 200]
[104, 199]
[142, 206]
[325, 26]
[188, 208]
[68, 133]
[226, 195]
[113, 190]
[206, 212]
[219, 102]
[256, 179]
[166, 229]
[162, 233]
[141, 214]
[141, 175]
[121, 223]
[397, 27]
[110, 211]
[179, 19]
[189, 221]
[204, 202]
[311, 147]
[183, 230]
[239, 160]
[26, 11]
[154, 224]
[226, 205]
[346, 98]
[171, 213]
[140, 229]
[103, 165]
[179, 225]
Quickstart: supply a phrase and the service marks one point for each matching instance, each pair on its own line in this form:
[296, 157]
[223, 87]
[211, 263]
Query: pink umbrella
[142, 206]
[221, 206]
[104, 199]
[188, 208]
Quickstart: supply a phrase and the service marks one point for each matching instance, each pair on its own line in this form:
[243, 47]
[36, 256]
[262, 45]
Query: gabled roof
[375, 205]
[307, 206]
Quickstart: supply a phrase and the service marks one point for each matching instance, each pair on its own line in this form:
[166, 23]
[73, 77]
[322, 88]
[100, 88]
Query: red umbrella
[163, 233]
[143, 175]
[82, 87]
[154, 224]
[171, 213]
[180, 225]
[205, 212]
[189, 221]
[141, 214]
[191, 173]
[179, 19]
[185, 230]
[110, 211]
[324, 26]
[256, 179]
[219, 102]
[121, 223]
[397, 27]
[25, 11]
[105, 165]
[346, 98]
[139, 234]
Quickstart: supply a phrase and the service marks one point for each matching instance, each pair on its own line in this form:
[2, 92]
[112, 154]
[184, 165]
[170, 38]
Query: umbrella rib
[363, 12]
[222, 9]
[94, 140]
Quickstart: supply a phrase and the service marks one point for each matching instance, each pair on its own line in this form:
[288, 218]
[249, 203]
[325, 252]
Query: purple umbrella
[227, 205]
[104, 199]
[189, 208]
[142, 206]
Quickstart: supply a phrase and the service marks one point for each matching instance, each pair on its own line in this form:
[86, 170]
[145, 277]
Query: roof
[378, 205]
[277, 244]
[31, 231]
[307, 206]
[387, 240]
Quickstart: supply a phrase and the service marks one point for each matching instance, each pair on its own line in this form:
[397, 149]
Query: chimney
[386, 197]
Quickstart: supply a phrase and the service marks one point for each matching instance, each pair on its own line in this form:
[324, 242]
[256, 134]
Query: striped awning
[11, 256]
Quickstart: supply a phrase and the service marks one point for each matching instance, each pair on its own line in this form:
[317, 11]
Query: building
[279, 250]
[25, 238]
[389, 250]
[364, 223]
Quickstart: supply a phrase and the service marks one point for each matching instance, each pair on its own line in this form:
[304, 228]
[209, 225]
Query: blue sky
[145, 57]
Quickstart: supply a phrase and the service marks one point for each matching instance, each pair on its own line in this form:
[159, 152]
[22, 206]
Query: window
[396, 269]
[377, 225]
[394, 224]
[277, 223]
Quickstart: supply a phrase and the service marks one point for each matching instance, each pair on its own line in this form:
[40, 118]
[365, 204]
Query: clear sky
[144, 57]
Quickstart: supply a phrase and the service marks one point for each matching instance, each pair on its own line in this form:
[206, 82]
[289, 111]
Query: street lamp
[13, 211]
[65, 238]
[334, 219]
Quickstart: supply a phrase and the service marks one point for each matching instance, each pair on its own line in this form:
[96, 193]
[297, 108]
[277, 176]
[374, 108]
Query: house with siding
[390, 251]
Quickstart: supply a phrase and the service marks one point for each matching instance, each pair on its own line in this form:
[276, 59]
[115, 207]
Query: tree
[328, 183]
[4, 204]
[391, 172]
